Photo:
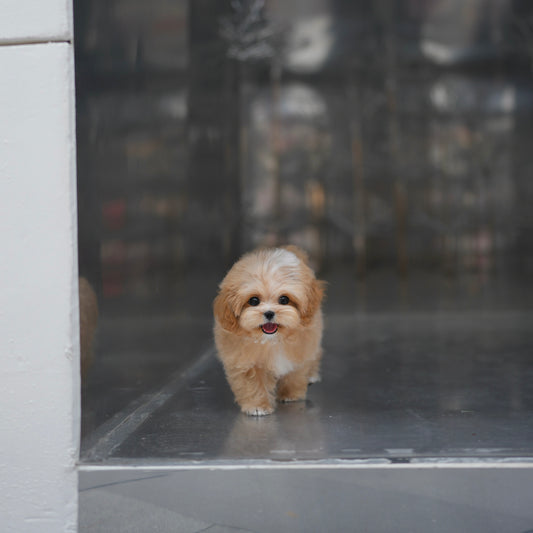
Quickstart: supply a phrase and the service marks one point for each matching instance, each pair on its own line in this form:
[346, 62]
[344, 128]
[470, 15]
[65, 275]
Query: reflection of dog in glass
[268, 328]
[88, 323]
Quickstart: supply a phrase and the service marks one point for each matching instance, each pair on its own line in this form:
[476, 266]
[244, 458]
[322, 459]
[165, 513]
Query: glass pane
[391, 140]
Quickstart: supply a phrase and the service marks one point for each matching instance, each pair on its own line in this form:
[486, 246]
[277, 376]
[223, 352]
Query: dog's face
[267, 294]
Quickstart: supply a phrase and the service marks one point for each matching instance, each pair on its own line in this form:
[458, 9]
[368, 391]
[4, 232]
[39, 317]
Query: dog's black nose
[269, 315]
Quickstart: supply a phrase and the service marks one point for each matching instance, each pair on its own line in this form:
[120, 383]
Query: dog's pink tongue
[269, 327]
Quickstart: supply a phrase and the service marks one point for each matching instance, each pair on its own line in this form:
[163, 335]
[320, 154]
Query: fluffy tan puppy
[268, 328]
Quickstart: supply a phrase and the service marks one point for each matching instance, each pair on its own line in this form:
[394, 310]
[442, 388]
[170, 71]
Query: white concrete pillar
[39, 348]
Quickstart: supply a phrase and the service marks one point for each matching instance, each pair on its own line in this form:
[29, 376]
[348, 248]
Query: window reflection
[390, 139]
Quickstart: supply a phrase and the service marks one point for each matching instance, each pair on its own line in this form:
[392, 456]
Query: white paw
[257, 411]
[289, 400]
[315, 379]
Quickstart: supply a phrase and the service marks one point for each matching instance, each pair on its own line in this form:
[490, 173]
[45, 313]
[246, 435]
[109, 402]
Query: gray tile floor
[374, 500]
[395, 386]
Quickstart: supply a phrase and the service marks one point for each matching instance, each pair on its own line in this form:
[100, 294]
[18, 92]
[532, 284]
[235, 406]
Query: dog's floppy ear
[315, 295]
[224, 312]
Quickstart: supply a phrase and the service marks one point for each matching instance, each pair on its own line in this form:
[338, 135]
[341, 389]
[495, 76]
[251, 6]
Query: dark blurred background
[391, 139]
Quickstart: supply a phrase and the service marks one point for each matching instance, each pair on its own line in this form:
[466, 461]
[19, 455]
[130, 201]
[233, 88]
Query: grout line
[122, 482]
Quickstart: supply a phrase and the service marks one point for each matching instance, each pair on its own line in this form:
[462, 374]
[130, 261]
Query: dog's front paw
[258, 411]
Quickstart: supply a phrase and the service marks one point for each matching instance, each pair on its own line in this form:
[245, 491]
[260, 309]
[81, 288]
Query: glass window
[391, 140]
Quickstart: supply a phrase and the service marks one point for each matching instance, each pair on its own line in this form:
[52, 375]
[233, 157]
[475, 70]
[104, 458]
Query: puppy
[268, 328]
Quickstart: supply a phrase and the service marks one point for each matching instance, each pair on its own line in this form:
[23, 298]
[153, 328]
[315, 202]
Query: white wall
[39, 361]
[34, 21]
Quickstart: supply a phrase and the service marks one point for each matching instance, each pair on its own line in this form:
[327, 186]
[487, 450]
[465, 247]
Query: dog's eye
[283, 300]
[253, 301]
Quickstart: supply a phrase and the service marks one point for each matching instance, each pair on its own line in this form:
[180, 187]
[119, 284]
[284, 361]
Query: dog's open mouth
[269, 328]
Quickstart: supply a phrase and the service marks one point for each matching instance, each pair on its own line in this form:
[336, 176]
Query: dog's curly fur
[268, 328]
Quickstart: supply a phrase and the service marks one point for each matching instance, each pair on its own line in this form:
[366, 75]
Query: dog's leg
[254, 390]
[292, 387]
[313, 375]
